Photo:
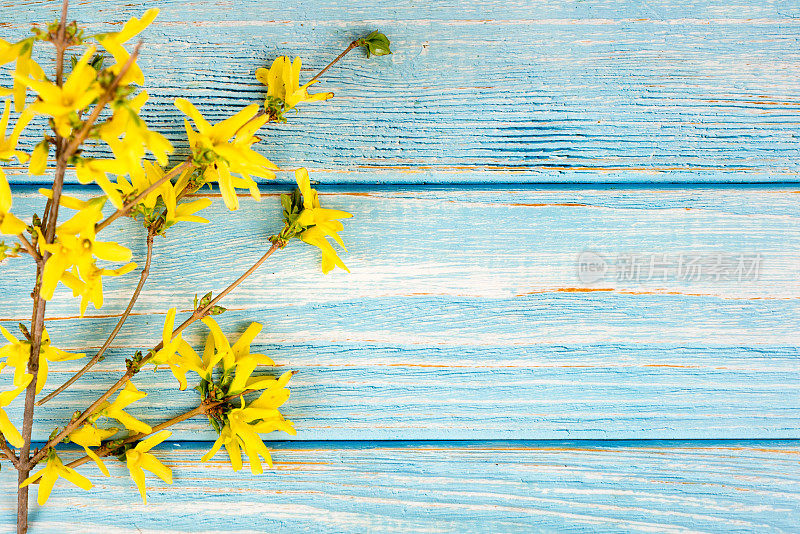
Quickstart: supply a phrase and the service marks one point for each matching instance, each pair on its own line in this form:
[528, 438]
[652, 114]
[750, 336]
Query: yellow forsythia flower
[167, 192]
[8, 144]
[128, 136]
[17, 352]
[90, 436]
[320, 223]
[25, 66]
[236, 357]
[113, 43]
[77, 245]
[6, 427]
[175, 352]
[37, 165]
[87, 282]
[9, 223]
[79, 90]
[97, 170]
[125, 398]
[54, 470]
[224, 148]
[244, 425]
[139, 459]
[283, 83]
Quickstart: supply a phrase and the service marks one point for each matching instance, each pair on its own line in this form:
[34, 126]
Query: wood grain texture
[464, 317]
[448, 487]
[591, 91]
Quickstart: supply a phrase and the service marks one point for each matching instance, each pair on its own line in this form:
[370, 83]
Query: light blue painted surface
[664, 487]
[468, 329]
[461, 319]
[532, 92]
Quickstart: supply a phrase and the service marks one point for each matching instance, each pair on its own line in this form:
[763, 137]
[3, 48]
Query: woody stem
[196, 315]
[111, 447]
[124, 210]
[25, 463]
[352, 45]
[96, 358]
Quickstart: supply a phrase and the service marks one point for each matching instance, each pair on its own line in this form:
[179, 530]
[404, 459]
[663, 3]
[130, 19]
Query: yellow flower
[283, 83]
[175, 352]
[167, 192]
[38, 162]
[128, 136]
[72, 203]
[224, 148]
[113, 43]
[77, 245]
[9, 223]
[90, 284]
[7, 428]
[236, 357]
[186, 212]
[244, 425]
[96, 170]
[18, 351]
[90, 436]
[320, 223]
[25, 66]
[54, 470]
[61, 103]
[8, 144]
[138, 459]
[115, 410]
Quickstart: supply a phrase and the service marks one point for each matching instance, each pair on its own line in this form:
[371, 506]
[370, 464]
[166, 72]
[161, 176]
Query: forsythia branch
[198, 314]
[96, 358]
[124, 210]
[202, 409]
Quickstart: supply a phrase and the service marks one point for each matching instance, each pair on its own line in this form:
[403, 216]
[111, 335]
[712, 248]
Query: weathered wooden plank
[464, 316]
[448, 487]
[528, 92]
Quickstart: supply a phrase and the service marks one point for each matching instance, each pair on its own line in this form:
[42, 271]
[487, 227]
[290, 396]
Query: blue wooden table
[468, 376]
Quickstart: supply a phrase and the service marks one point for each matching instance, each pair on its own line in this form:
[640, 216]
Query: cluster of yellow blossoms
[226, 373]
[221, 153]
[73, 255]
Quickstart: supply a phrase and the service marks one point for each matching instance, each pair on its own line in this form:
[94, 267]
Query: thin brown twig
[29, 248]
[197, 314]
[352, 45]
[8, 451]
[62, 30]
[105, 98]
[133, 203]
[96, 358]
[106, 450]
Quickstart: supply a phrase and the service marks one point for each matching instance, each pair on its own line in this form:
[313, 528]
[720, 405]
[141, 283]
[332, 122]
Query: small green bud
[205, 301]
[97, 62]
[24, 330]
[216, 310]
[376, 44]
